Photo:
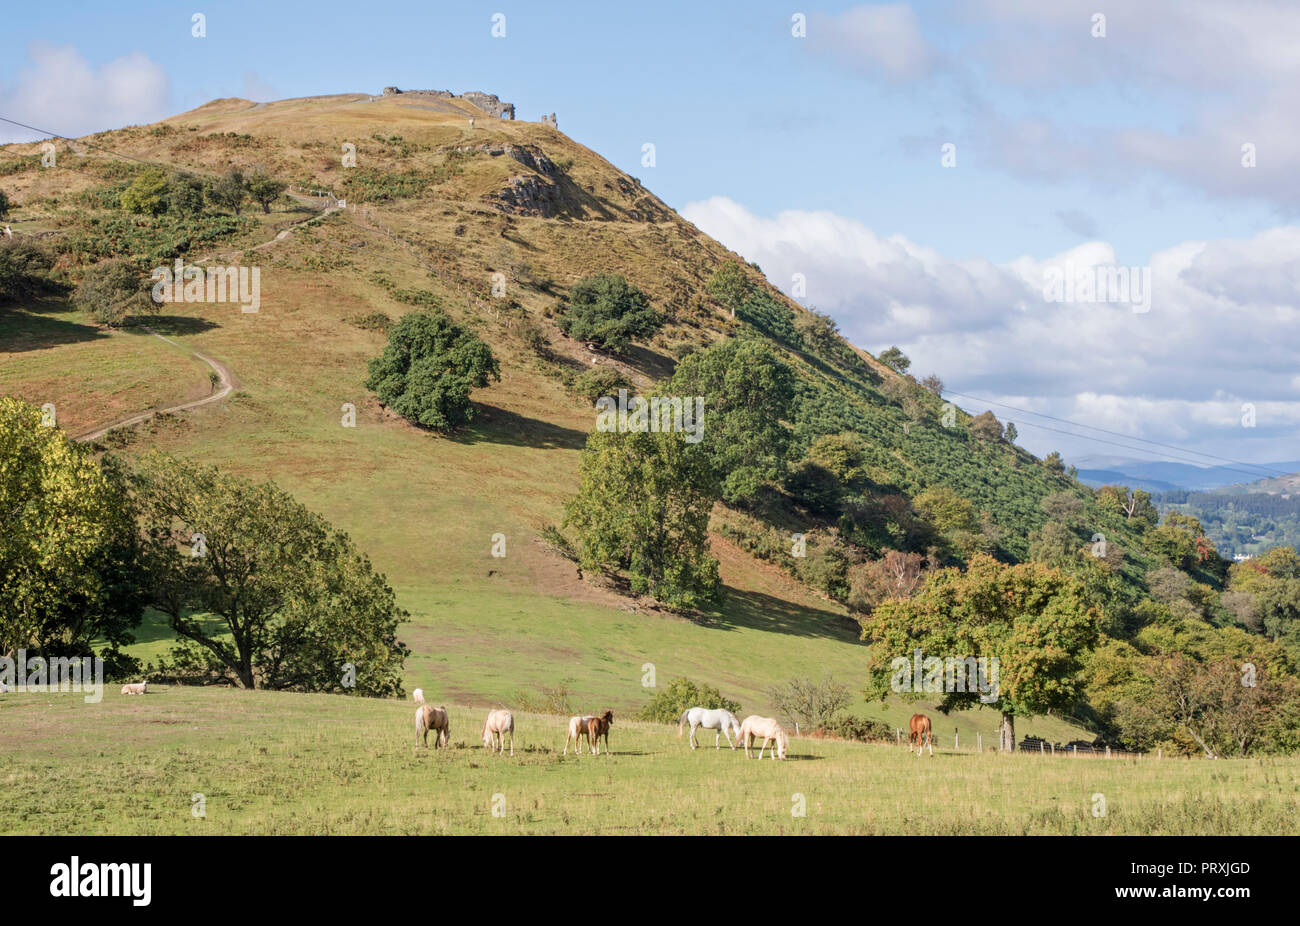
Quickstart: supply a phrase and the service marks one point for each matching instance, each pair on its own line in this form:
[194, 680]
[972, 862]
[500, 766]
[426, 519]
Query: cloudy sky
[927, 169]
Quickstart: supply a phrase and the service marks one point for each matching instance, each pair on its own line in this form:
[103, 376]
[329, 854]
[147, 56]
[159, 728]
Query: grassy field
[317, 764]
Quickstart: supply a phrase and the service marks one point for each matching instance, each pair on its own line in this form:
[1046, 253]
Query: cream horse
[427, 718]
[719, 721]
[577, 729]
[498, 724]
[754, 726]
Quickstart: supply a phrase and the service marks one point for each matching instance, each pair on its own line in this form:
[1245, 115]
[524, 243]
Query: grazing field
[307, 764]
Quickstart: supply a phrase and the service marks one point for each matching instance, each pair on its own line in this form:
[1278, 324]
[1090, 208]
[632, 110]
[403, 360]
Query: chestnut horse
[430, 718]
[919, 727]
[598, 727]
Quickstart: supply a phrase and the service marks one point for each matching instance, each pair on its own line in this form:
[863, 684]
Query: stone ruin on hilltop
[490, 103]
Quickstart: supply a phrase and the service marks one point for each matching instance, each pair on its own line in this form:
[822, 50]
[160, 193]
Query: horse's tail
[681, 724]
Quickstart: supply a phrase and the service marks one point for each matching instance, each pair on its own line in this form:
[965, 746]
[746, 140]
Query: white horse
[498, 724]
[721, 722]
[754, 726]
[418, 696]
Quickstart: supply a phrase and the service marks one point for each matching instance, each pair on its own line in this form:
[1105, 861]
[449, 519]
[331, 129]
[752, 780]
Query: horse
[578, 728]
[428, 717]
[917, 727]
[498, 724]
[136, 688]
[720, 721]
[418, 696]
[598, 727]
[754, 726]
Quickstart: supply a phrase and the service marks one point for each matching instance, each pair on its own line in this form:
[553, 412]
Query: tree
[895, 359]
[1135, 506]
[934, 385]
[643, 506]
[730, 286]
[184, 195]
[815, 704]
[147, 194]
[954, 519]
[986, 427]
[5, 205]
[265, 189]
[229, 191]
[894, 575]
[112, 291]
[1033, 620]
[748, 392]
[67, 541]
[428, 369]
[679, 696]
[607, 312]
[818, 331]
[298, 606]
[24, 268]
[1054, 463]
[1011, 434]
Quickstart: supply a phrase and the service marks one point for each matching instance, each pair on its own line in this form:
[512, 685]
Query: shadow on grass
[172, 325]
[36, 328]
[764, 612]
[498, 426]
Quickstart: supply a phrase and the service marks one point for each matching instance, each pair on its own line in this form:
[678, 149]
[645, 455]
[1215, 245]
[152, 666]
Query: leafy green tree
[67, 541]
[954, 519]
[264, 189]
[1011, 434]
[147, 194]
[297, 605]
[679, 696]
[818, 332]
[607, 312]
[748, 392]
[112, 291]
[895, 359]
[1054, 463]
[429, 368]
[229, 191]
[730, 286]
[986, 427]
[24, 270]
[184, 195]
[643, 506]
[5, 205]
[1034, 620]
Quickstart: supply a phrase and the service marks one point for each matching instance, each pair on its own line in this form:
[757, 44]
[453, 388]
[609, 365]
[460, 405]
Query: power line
[116, 154]
[1142, 440]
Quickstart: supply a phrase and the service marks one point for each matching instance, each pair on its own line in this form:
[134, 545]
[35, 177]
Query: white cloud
[1222, 328]
[883, 39]
[59, 90]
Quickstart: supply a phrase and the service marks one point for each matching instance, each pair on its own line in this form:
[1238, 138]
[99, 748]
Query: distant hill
[1165, 476]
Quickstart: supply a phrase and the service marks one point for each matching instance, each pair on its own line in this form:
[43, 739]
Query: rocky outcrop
[490, 103]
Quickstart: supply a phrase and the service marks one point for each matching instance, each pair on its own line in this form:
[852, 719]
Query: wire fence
[1033, 745]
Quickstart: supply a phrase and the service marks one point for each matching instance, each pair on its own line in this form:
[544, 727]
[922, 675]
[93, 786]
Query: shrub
[549, 699]
[23, 267]
[112, 291]
[599, 381]
[371, 321]
[668, 705]
[855, 728]
[813, 704]
[147, 195]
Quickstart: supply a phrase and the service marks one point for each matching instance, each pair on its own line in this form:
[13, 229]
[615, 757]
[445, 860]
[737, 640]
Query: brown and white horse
[754, 726]
[919, 727]
[498, 724]
[429, 718]
[598, 727]
[577, 730]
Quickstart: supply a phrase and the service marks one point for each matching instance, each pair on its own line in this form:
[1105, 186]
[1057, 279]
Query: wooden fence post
[1042, 750]
[954, 739]
[979, 742]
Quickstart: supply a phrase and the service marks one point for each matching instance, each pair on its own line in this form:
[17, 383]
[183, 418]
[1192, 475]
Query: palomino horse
[418, 696]
[719, 721]
[498, 724]
[598, 727]
[428, 717]
[577, 729]
[754, 726]
[919, 727]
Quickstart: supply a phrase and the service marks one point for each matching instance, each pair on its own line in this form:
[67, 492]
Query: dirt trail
[225, 380]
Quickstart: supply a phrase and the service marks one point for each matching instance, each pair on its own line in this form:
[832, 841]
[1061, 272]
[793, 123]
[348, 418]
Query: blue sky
[821, 155]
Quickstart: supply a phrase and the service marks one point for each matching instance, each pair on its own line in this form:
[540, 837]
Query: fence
[1035, 746]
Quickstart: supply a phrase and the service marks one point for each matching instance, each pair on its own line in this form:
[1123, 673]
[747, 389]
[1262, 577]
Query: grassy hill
[436, 208]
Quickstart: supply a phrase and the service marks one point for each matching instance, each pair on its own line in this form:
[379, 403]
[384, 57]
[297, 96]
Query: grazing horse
[498, 724]
[598, 727]
[754, 726]
[719, 721]
[577, 729]
[428, 717]
[918, 727]
[136, 688]
[418, 696]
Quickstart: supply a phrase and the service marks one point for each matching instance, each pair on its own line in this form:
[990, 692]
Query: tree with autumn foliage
[1034, 620]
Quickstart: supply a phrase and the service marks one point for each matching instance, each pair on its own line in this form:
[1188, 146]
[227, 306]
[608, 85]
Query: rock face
[490, 103]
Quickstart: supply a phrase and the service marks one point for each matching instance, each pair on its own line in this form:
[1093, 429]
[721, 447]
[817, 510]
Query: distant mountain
[1165, 476]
